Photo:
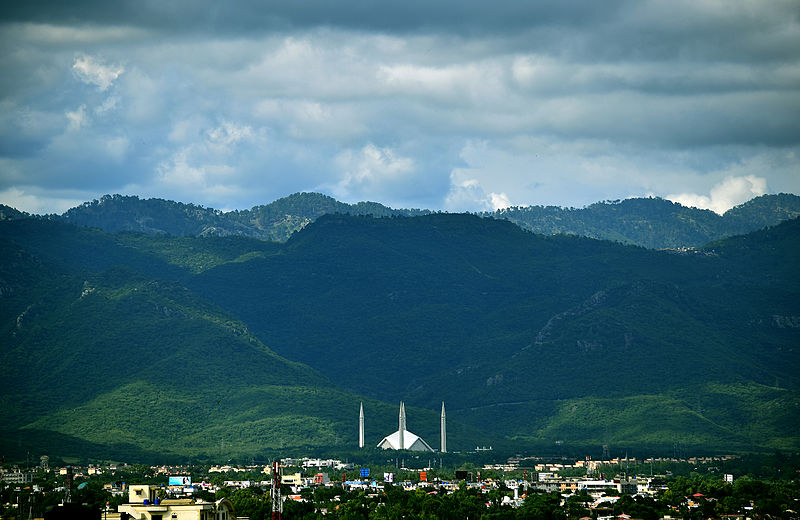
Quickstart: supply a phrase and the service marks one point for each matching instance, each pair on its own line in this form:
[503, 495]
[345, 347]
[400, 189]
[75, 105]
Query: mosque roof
[411, 441]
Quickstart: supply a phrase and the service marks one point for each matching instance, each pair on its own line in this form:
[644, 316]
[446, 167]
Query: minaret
[402, 426]
[361, 426]
[443, 447]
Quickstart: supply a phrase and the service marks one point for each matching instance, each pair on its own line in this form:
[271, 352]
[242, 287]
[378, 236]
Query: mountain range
[649, 222]
[146, 341]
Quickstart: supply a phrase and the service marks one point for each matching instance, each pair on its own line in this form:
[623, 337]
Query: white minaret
[402, 426]
[361, 426]
[443, 447]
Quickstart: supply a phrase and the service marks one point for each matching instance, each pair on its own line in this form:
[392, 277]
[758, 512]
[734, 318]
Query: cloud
[731, 192]
[93, 71]
[77, 118]
[208, 164]
[499, 201]
[34, 201]
[308, 119]
[467, 195]
[58, 34]
[371, 170]
[462, 105]
[223, 137]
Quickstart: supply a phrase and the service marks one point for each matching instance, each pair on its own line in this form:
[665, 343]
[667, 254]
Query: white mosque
[403, 439]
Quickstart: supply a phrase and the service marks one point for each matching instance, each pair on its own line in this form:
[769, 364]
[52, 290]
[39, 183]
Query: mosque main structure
[403, 439]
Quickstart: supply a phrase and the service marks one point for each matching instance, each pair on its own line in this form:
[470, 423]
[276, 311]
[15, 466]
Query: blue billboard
[180, 481]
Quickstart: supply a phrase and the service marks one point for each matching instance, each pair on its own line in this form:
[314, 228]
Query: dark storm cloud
[461, 105]
[580, 29]
[257, 16]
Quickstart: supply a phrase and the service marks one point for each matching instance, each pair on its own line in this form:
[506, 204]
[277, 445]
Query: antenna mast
[275, 494]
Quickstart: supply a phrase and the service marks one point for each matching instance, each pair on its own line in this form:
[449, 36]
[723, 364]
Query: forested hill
[194, 346]
[649, 222]
[654, 223]
[275, 221]
[106, 353]
[9, 213]
[539, 337]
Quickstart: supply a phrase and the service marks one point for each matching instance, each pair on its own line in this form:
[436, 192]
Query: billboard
[180, 481]
[388, 477]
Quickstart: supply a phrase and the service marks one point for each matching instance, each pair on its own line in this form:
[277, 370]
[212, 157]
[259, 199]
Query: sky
[452, 105]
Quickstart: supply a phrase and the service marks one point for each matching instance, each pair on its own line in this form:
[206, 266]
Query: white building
[143, 505]
[403, 439]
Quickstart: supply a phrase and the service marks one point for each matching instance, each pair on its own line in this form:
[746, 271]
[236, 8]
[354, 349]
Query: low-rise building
[144, 505]
[292, 479]
[17, 476]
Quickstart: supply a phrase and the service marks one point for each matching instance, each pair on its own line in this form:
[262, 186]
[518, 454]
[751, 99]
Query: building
[144, 505]
[17, 476]
[403, 439]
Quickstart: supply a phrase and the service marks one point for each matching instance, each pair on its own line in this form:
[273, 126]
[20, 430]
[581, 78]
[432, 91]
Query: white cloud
[312, 119]
[178, 172]
[441, 83]
[371, 170]
[731, 192]
[224, 137]
[212, 164]
[93, 71]
[77, 119]
[108, 105]
[38, 203]
[195, 180]
[499, 201]
[467, 194]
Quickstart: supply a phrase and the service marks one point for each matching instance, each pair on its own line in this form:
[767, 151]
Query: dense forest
[157, 345]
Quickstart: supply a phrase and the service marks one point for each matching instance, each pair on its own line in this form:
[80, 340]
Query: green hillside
[151, 345]
[480, 314]
[108, 354]
[654, 223]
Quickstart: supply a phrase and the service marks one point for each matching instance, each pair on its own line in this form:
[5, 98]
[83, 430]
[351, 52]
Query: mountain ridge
[649, 222]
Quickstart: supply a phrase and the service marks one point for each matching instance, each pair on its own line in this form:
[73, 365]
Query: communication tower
[277, 504]
[68, 485]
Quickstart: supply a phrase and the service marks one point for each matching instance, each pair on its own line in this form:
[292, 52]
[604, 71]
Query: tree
[542, 506]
